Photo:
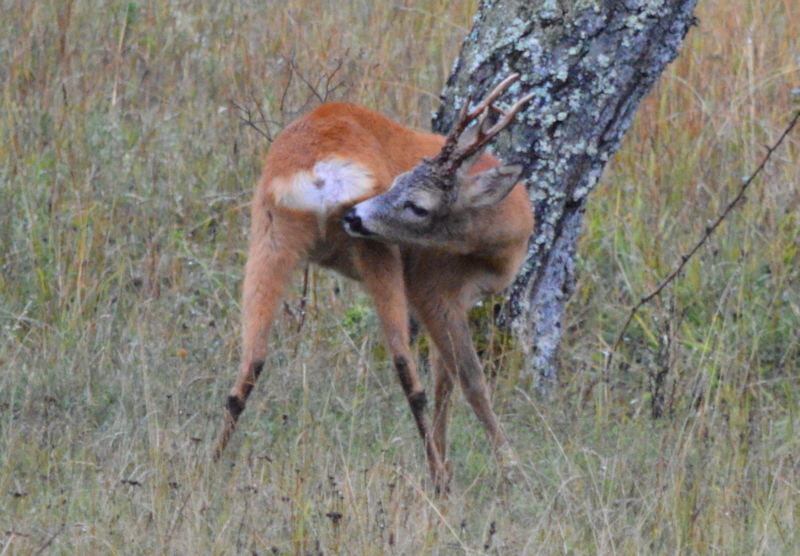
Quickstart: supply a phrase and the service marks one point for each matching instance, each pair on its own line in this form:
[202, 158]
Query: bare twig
[246, 118]
[311, 87]
[260, 107]
[710, 229]
[46, 544]
[322, 90]
[285, 92]
[302, 305]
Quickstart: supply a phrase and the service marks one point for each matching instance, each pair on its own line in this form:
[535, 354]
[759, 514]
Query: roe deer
[429, 225]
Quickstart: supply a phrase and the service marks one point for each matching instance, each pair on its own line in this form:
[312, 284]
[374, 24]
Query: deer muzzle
[353, 224]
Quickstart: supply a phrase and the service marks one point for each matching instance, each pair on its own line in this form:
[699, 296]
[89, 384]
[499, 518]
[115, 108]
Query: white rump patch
[330, 185]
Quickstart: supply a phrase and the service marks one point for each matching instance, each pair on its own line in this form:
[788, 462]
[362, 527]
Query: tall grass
[125, 179]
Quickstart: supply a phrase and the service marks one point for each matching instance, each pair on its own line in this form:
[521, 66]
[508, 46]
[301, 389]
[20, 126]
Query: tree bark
[591, 62]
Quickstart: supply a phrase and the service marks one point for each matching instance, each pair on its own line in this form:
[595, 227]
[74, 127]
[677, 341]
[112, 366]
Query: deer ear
[490, 187]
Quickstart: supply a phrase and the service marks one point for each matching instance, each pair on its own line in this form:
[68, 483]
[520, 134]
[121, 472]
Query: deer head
[434, 202]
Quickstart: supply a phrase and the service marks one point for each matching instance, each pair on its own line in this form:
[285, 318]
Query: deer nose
[353, 225]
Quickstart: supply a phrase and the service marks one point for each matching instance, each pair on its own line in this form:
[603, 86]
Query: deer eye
[415, 209]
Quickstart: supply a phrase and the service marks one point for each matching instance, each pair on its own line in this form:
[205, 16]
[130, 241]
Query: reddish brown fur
[438, 285]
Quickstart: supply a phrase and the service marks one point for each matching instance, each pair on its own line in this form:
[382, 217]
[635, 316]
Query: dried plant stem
[118, 61]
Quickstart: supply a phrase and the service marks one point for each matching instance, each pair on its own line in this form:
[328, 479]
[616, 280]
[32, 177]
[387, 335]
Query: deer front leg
[381, 269]
[449, 330]
[443, 384]
[270, 262]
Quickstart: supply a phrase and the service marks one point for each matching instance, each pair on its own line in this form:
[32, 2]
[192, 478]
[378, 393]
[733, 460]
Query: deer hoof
[441, 479]
[510, 467]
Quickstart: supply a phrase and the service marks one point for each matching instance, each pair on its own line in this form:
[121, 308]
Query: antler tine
[467, 116]
[508, 117]
[493, 96]
[483, 136]
[463, 120]
[453, 153]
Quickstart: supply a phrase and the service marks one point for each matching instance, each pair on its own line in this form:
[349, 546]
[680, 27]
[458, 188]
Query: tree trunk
[591, 63]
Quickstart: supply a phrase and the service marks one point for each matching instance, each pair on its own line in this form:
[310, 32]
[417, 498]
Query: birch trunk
[591, 62]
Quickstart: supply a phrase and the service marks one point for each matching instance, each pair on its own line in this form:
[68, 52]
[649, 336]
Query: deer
[428, 224]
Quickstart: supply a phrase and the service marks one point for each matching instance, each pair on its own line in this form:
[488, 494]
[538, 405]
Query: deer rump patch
[330, 185]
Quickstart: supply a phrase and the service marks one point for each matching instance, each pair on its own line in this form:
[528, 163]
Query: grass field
[125, 180]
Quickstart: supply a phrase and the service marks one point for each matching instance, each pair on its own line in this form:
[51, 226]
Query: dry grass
[124, 184]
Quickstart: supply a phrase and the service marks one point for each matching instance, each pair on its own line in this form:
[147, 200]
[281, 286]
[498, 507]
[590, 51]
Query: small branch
[311, 87]
[328, 78]
[303, 301]
[285, 92]
[46, 544]
[246, 118]
[254, 116]
[322, 89]
[708, 231]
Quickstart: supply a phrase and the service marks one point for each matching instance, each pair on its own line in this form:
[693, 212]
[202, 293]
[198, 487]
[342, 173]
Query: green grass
[125, 181]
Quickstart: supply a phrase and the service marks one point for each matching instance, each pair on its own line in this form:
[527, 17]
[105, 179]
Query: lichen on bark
[590, 63]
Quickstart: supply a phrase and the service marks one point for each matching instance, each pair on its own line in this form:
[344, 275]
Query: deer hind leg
[270, 262]
[449, 330]
[381, 270]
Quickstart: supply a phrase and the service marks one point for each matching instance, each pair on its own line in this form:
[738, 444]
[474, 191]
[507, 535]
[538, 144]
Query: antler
[457, 147]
